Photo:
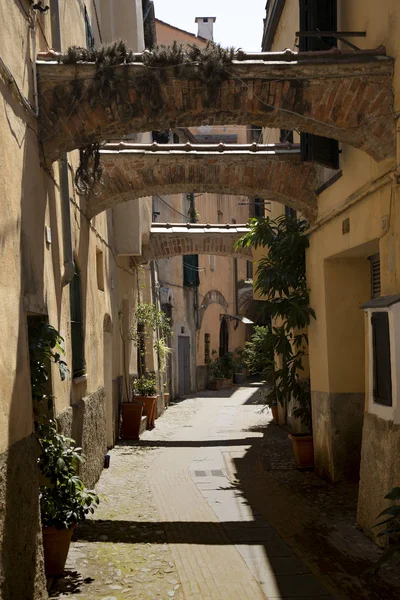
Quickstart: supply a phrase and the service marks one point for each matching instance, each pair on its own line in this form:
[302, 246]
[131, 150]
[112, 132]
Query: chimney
[205, 27]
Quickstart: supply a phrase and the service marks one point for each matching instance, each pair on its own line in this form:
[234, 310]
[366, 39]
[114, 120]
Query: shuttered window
[375, 262]
[322, 150]
[77, 339]
[89, 32]
[191, 270]
[381, 358]
[286, 135]
[317, 15]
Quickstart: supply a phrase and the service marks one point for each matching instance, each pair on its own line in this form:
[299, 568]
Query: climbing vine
[89, 174]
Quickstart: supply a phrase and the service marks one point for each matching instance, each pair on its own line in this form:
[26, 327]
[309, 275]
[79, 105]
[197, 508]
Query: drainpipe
[69, 266]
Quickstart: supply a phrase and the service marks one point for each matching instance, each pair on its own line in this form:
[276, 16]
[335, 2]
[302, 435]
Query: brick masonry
[216, 241]
[280, 177]
[348, 98]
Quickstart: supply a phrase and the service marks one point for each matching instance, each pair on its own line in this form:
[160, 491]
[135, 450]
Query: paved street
[175, 521]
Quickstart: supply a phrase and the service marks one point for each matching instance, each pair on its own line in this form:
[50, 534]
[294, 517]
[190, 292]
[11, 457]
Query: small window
[375, 262]
[212, 262]
[321, 150]
[176, 138]
[100, 269]
[381, 358]
[286, 135]
[191, 270]
[77, 338]
[258, 207]
[249, 269]
[207, 355]
[289, 212]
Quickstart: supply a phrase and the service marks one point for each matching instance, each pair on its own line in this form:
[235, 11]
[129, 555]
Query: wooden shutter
[77, 341]
[375, 262]
[317, 15]
[191, 270]
[324, 151]
[381, 358]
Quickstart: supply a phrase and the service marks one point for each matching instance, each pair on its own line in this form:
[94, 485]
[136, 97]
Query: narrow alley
[174, 521]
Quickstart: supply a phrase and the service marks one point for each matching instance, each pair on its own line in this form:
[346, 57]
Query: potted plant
[148, 321]
[145, 390]
[64, 500]
[215, 372]
[239, 371]
[166, 395]
[303, 446]
[281, 279]
[227, 368]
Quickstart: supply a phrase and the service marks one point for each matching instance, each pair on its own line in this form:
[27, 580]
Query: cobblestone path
[174, 521]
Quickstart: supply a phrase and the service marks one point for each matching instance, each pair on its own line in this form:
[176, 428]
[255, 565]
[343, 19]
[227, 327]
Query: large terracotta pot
[275, 414]
[149, 409]
[303, 449]
[214, 385]
[131, 420]
[56, 543]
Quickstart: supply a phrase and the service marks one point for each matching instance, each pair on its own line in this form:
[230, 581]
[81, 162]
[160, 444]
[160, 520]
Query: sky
[239, 22]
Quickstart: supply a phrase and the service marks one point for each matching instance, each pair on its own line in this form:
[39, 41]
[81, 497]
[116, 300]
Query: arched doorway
[223, 338]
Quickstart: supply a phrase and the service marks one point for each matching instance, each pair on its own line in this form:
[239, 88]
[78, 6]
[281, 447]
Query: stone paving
[175, 522]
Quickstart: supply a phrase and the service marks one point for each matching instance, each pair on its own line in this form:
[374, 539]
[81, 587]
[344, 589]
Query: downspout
[69, 266]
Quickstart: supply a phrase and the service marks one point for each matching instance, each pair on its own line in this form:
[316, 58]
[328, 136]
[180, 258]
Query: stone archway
[273, 172]
[344, 96]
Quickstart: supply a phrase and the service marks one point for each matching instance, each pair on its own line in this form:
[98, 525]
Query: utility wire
[172, 208]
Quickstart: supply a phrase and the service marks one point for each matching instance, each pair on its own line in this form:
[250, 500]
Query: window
[191, 270]
[207, 355]
[381, 358]
[89, 32]
[258, 207]
[212, 262]
[375, 262]
[317, 15]
[176, 138]
[100, 269]
[286, 136]
[249, 269]
[77, 339]
[289, 211]
[322, 150]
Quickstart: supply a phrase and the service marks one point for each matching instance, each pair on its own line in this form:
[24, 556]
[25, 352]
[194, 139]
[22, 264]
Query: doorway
[184, 365]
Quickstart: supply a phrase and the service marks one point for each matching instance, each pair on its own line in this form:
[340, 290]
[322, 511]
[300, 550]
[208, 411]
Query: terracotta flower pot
[214, 385]
[303, 449]
[56, 543]
[131, 420]
[275, 415]
[149, 409]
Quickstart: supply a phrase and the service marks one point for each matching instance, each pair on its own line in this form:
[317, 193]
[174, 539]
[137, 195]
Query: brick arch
[345, 96]
[272, 172]
[169, 240]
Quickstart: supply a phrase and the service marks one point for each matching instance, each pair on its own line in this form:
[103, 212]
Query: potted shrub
[215, 372]
[64, 500]
[239, 371]
[227, 368]
[149, 322]
[281, 279]
[145, 390]
[303, 446]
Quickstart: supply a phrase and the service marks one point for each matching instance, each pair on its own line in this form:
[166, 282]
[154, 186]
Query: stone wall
[380, 470]
[337, 430]
[21, 548]
[85, 421]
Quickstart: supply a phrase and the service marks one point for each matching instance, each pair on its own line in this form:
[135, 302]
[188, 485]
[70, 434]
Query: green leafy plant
[163, 351]
[145, 385]
[64, 500]
[281, 280]
[45, 347]
[258, 351]
[239, 360]
[214, 367]
[391, 520]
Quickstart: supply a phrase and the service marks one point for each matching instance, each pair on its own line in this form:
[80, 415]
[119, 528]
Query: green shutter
[191, 270]
[77, 341]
